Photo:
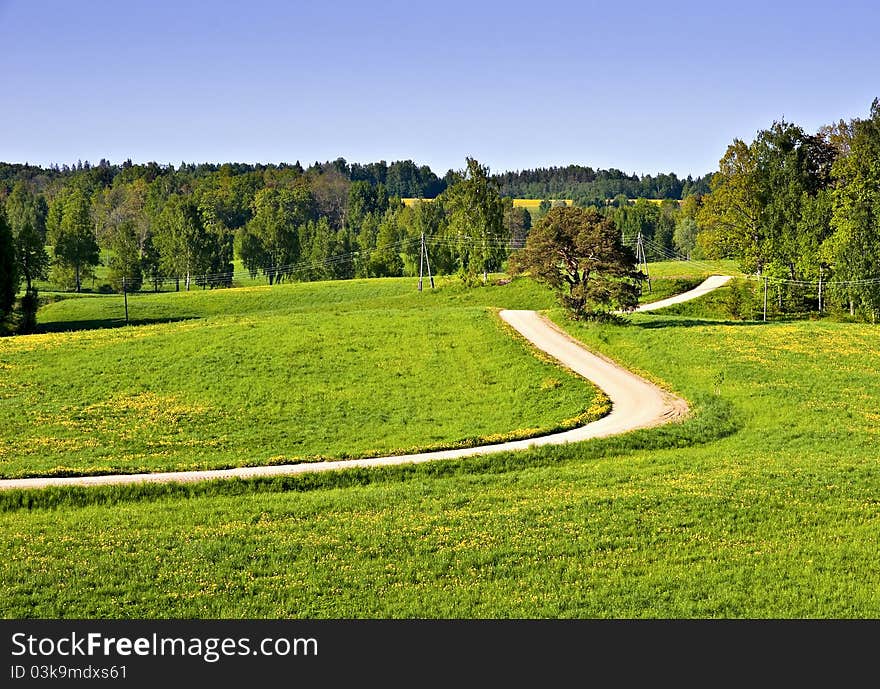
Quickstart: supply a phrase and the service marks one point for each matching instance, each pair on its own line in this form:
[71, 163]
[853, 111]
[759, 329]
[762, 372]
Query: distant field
[530, 204]
[656, 202]
[267, 375]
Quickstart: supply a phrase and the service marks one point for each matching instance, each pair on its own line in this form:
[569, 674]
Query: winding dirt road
[710, 283]
[635, 403]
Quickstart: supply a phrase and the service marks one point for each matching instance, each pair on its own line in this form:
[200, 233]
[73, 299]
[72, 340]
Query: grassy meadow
[764, 503]
[296, 372]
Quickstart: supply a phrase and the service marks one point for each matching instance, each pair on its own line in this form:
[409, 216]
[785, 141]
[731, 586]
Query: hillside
[762, 504]
[262, 375]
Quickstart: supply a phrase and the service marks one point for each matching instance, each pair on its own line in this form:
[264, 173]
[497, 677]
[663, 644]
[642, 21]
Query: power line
[676, 256]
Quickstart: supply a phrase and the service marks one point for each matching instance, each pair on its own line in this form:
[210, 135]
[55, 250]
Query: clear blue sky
[642, 86]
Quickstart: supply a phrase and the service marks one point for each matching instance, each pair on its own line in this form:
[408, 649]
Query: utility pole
[421, 258]
[125, 299]
[427, 261]
[765, 299]
[642, 258]
[424, 261]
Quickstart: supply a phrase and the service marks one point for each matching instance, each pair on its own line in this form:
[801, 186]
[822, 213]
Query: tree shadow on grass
[680, 322]
[104, 324]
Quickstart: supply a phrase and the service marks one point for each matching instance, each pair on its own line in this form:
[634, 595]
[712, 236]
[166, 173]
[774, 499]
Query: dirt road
[710, 283]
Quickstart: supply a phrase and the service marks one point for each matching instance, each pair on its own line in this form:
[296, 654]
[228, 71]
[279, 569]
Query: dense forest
[403, 179]
[799, 208]
[587, 186]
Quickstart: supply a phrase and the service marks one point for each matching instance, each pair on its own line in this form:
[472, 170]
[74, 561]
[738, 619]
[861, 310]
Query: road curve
[635, 403]
[710, 283]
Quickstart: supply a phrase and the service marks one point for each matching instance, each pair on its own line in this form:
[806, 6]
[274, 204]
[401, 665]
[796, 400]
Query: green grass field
[264, 375]
[762, 504]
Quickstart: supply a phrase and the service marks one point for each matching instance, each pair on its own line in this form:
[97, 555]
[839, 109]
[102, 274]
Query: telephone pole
[642, 258]
[424, 261]
[421, 258]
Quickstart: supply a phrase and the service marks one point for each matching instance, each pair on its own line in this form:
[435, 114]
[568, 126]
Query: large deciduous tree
[126, 258]
[279, 215]
[26, 215]
[854, 249]
[684, 237]
[730, 214]
[330, 191]
[792, 169]
[476, 220]
[183, 243]
[765, 198]
[579, 253]
[76, 248]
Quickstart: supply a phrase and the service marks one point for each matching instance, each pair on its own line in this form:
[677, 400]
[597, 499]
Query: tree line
[404, 179]
[803, 210]
[151, 224]
[186, 225]
[589, 187]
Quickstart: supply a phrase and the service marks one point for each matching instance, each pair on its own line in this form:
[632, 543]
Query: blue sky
[644, 87]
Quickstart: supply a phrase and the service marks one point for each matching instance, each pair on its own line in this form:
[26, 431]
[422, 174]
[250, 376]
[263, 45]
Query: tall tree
[221, 246]
[330, 190]
[182, 241]
[26, 215]
[385, 260]
[854, 248]
[759, 197]
[125, 259]
[249, 250]
[76, 248]
[318, 250]
[791, 168]
[665, 226]
[476, 220]
[684, 237]
[579, 253]
[430, 218]
[364, 199]
[730, 214]
[277, 218]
